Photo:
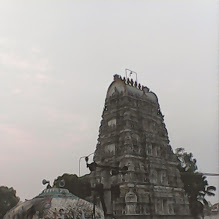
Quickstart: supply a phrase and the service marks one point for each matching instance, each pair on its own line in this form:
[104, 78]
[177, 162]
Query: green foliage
[8, 200]
[195, 183]
[78, 186]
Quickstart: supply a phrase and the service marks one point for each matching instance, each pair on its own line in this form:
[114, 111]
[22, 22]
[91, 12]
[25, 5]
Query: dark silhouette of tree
[195, 183]
[79, 186]
[8, 200]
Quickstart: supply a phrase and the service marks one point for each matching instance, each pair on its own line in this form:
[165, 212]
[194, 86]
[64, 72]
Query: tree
[195, 183]
[78, 186]
[8, 200]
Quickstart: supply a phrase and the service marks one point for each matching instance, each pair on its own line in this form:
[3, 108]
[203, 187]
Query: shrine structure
[144, 181]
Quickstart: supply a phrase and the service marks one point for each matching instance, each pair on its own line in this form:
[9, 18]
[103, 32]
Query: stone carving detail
[153, 177]
[127, 139]
[149, 149]
[112, 123]
[131, 201]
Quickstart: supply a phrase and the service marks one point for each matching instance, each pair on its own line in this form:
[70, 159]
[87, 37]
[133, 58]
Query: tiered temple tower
[133, 134]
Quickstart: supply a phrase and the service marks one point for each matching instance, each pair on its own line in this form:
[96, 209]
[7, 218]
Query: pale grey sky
[57, 59]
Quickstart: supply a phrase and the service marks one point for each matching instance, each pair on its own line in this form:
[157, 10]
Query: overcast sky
[57, 59]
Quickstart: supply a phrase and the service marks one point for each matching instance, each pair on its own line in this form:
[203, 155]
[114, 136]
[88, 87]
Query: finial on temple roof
[145, 89]
[116, 77]
[136, 84]
[127, 80]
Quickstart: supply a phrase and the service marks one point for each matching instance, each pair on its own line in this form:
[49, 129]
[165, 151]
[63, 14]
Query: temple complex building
[135, 163]
[54, 203]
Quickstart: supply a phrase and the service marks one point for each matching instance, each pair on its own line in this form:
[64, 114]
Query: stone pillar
[107, 194]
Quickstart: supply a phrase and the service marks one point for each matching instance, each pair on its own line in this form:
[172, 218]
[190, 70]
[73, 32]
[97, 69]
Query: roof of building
[55, 202]
[128, 86]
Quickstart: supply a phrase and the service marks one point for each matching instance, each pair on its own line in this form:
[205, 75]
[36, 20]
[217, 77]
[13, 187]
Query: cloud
[17, 91]
[25, 64]
[42, 77]
[36, 50]
[11, 59]
[27, 58]
[15, 136]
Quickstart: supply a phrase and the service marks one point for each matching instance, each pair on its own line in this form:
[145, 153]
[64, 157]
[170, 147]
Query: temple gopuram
[135, 170]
